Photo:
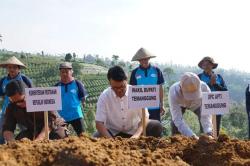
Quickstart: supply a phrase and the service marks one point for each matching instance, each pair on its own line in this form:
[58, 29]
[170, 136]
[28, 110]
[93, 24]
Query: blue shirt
[149, 76]
[220, 83]
[72, 95]
[5, 80]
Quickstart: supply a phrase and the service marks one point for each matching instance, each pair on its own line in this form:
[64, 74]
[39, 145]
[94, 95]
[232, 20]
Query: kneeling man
[113, 118]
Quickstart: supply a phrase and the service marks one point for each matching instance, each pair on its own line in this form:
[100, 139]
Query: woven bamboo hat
[142, 53]
[12, 61]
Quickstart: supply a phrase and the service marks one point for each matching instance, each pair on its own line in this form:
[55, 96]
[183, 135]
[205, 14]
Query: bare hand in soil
[195, 137]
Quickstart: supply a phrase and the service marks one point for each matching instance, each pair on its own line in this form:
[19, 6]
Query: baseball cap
[65, 65]
[190, 86]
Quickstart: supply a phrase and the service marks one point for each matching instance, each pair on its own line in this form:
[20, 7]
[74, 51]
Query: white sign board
[142, 96]
[43, 99]
[214, 103]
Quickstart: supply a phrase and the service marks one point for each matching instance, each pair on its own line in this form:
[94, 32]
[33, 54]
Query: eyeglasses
[122, 87]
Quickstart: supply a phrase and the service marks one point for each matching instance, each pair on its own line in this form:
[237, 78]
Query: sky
[176, 31]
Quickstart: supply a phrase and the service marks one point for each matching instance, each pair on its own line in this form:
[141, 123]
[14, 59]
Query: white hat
[190, 86]
[12, 61]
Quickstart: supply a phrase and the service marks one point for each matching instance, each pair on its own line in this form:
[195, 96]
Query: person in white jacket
[187, 94]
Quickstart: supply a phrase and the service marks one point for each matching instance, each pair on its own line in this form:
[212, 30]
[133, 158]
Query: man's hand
[8, 136]
[83, 103]
[210, 137]
[195, 137]
[41, 135]
[39, 138]
[162, 110]
[136, 136]
[213, 79]
[101, 128]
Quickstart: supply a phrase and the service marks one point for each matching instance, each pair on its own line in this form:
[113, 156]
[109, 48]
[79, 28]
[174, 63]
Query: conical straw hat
[142, 53]
[12, 61]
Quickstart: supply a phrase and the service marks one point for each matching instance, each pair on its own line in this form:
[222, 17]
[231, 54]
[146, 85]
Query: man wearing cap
[33, 122]
[113, 118]
[213, 80]
[73, 95]
[13, 67]
[147, 74]
[187, 94]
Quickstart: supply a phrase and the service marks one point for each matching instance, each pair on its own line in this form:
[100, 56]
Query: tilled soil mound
[177, 150]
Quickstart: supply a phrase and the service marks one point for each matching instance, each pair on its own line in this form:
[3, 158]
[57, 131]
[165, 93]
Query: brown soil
[177, 150]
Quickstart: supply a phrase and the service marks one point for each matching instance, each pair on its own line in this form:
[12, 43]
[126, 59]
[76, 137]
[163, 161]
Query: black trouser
[218, 123]
[197, 112]
[30, 135]
[154, 114]
[154, 128]
[78, 125]
[248, 116]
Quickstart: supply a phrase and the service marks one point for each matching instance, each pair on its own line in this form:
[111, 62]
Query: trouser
[78, 125]
[175, 129]
[1, 128]
[218, 123]
[154, 128]
[248, 116]
[30, 135]
[154, 114]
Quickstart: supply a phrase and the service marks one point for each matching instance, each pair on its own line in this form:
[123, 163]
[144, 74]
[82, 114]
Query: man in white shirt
[113, 118]
[187, 94]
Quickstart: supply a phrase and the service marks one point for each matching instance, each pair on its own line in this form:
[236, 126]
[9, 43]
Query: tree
[74, 55]
[68, 57]
[114, 60]
[77, 68]
[89, 59]
[122, 64]
[169, 72]
[235, 123]
[96, 56]
[107, 61]
[1, 38]
[100, 62]
[23, 56]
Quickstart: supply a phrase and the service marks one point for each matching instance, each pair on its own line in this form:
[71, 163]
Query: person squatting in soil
[13, 67]
[187, 94]
[16, 113]
[113, 118]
